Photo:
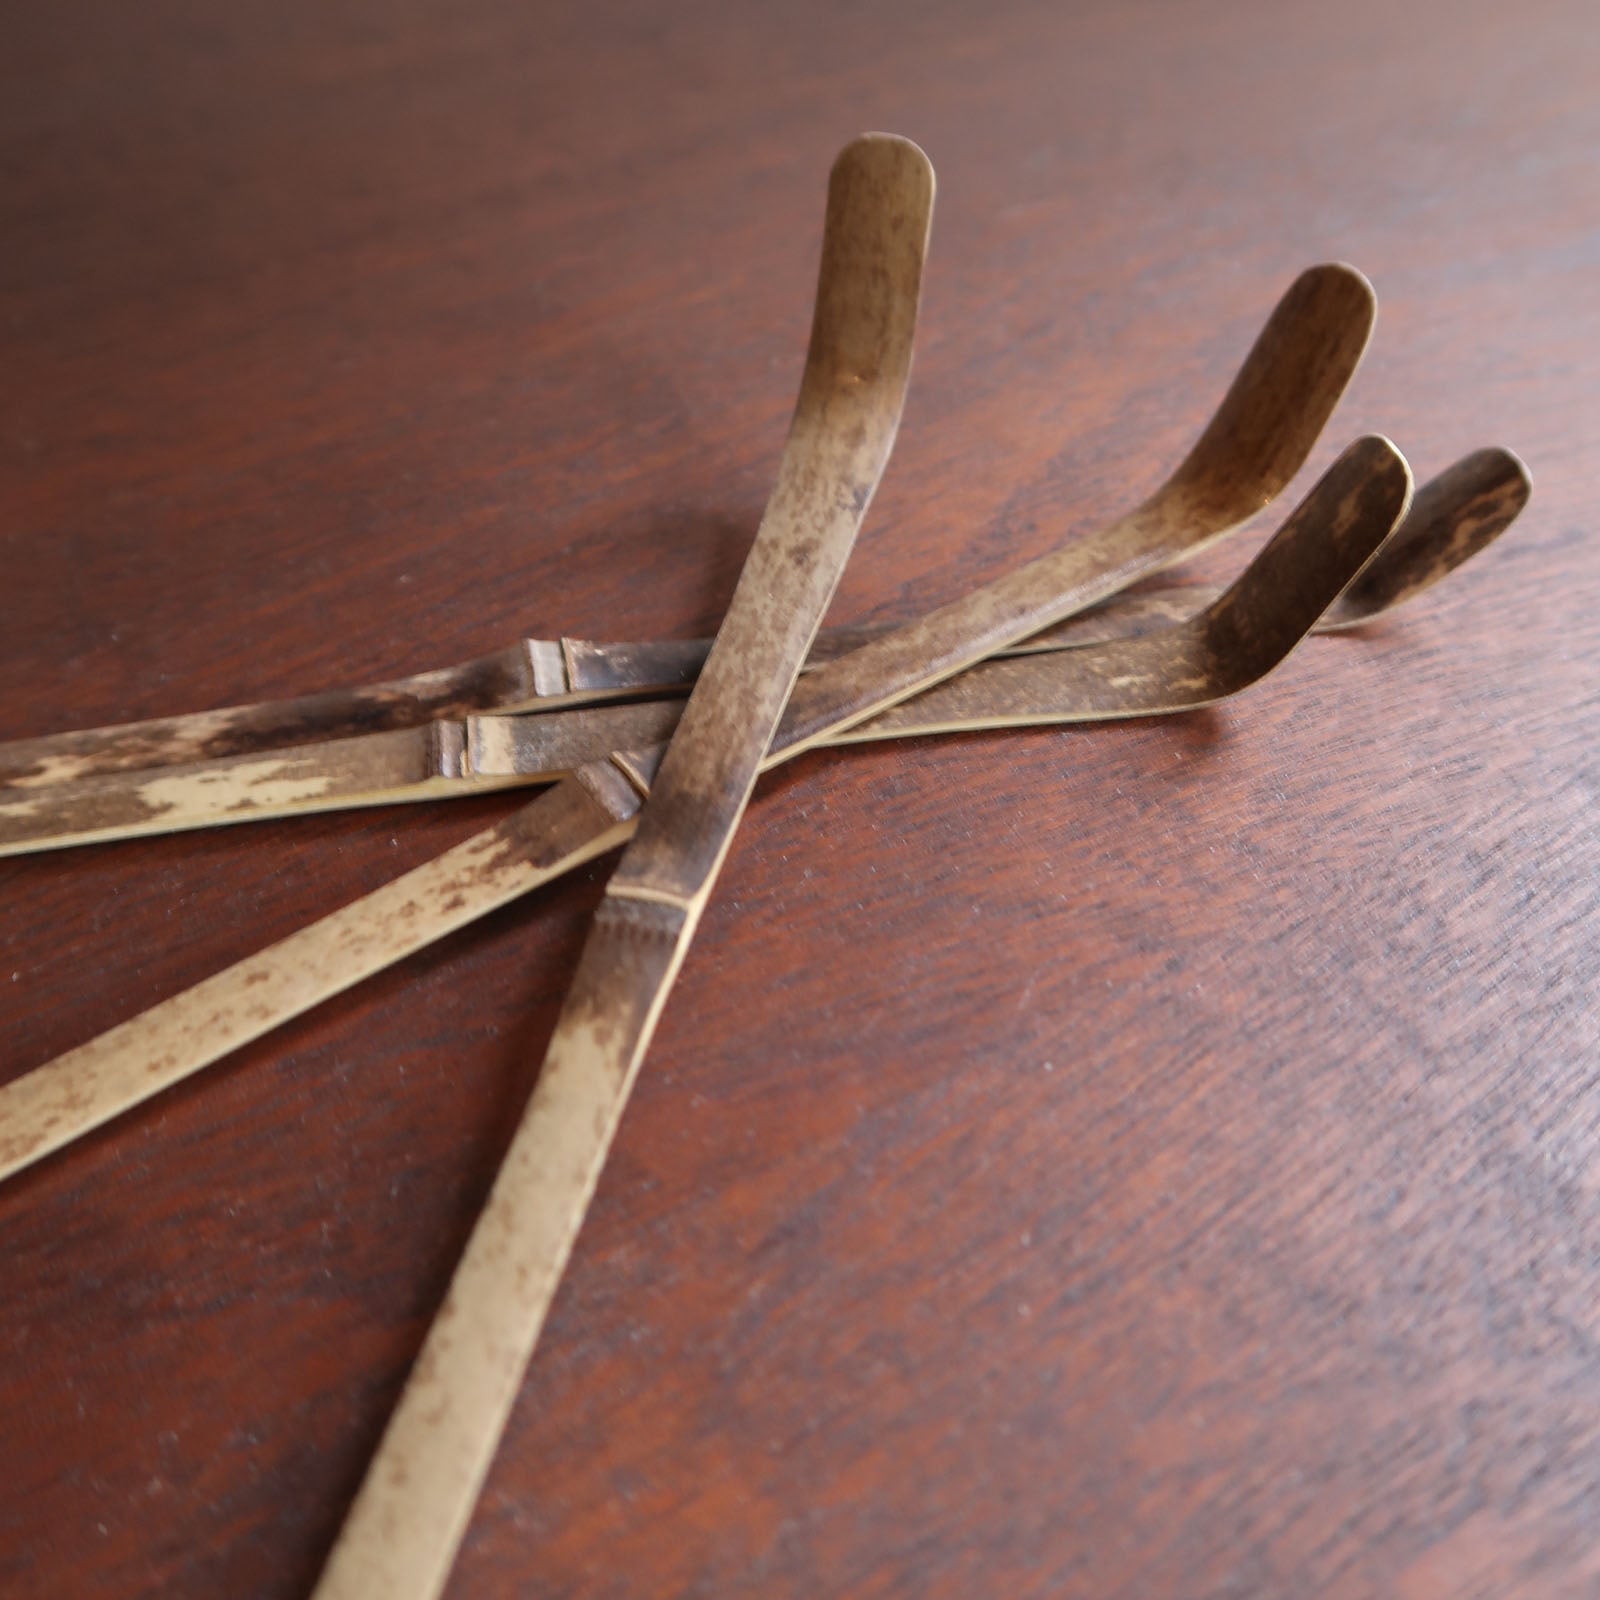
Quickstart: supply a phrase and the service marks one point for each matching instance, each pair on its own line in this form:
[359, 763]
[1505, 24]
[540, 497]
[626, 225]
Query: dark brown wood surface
[1147, 1160]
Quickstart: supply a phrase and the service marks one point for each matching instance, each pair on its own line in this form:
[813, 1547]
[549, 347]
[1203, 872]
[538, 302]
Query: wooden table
[1151, 1160]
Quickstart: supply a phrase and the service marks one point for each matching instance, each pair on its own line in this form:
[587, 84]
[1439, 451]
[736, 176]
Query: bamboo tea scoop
[401, 1534]
[1451, 518]
[1259, 437]
[1239, 638]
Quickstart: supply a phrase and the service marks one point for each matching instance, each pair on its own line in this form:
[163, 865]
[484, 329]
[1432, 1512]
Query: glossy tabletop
[1149, 1160]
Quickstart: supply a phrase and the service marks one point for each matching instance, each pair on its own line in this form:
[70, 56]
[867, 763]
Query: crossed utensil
[633, 762]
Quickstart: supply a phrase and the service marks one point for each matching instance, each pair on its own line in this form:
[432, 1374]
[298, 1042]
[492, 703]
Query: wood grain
[1150, 1161]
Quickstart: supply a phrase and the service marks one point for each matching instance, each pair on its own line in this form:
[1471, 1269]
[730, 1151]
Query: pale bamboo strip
[44, 1110]
[433, 762]
[401, 1535]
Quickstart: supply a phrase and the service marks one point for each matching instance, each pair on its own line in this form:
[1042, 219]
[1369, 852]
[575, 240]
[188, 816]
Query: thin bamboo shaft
[418, 1495]
[520, 675]
[574, 673]
[79, 1091]
[400, 1537]
[437, 761]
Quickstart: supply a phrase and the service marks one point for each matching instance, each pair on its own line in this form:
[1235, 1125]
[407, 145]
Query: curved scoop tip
[1377, 456]
[1510, 466]
[1340, 277]
[889, 156]
[1338, 301]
